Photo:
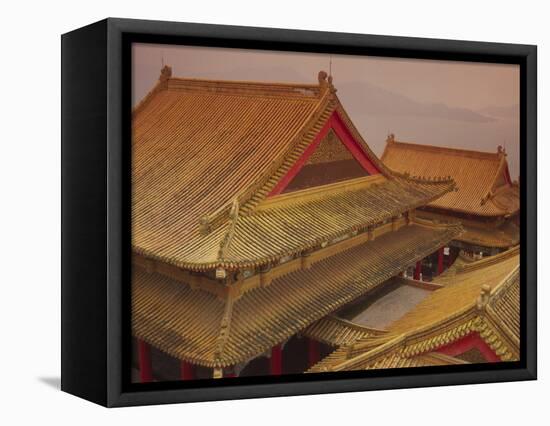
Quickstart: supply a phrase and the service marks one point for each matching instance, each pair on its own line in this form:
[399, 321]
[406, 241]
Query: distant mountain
[377, 101]
[510, 111]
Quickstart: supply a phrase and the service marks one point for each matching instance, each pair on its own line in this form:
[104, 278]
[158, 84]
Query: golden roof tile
[482, 179]
[480, 296]
[503, 308]
[504, 236]
[197, 326]
[207, 153]
[500, 233]
[307, 222]
[196, 145]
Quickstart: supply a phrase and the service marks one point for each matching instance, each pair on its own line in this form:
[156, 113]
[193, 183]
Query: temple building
[470, 315]
[486, 200]
[257, 210]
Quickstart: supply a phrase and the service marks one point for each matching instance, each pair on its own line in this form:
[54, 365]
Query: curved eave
[443, 208]
[491, 241]
[187, 323]
[276, 231]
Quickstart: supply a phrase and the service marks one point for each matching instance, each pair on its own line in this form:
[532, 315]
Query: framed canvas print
[255, 212]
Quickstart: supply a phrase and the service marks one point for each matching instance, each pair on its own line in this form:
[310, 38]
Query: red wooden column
[313, 352]
[418, 270]
[440, 261]
[145, 364]
[276, 366]
[187, 371]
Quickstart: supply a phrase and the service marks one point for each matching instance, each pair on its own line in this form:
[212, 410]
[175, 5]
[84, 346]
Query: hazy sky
[456, 104]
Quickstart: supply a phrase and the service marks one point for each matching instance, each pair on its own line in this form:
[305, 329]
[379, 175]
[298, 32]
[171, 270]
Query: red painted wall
[471, 341]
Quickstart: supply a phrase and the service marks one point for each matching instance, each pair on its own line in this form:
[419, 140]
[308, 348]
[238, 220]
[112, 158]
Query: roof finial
[390, 138]
[483, 297]
[322, 77]
[323, 83]
[165, 73]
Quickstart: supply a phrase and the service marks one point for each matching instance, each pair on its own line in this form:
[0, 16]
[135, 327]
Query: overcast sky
[456, 104]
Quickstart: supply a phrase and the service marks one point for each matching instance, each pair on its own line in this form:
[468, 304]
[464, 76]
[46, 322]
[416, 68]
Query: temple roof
[482, 179]
[500, 234]
[477, 297]
[504, 236]
[206, 155]
[193, 324]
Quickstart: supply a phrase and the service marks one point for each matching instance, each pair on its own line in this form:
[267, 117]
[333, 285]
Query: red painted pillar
[418, 270]
[440, 261]
[313, 352]
[187, 371]
[276, 360]
[145, 364]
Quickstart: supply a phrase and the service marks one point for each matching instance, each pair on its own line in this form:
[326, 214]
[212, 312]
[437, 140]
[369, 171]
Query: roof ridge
[344, 116]
[225, 329]
[500, 169]
[260, 83]
[424, 179]
[356, 326]
[504, 285]
[302, 196]
[247, 87]
[381, 349]
[225, 243]
[391, 142]
[275, 88]
[312, 90]
[500, 293]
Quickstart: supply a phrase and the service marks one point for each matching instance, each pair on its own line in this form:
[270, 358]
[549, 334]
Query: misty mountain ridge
[360, 96]
[376, 112]
[377, 101]
[372, 99]
[509, 112]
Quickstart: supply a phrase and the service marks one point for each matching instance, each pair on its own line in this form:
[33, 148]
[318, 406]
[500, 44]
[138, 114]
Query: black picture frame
[96, 114]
